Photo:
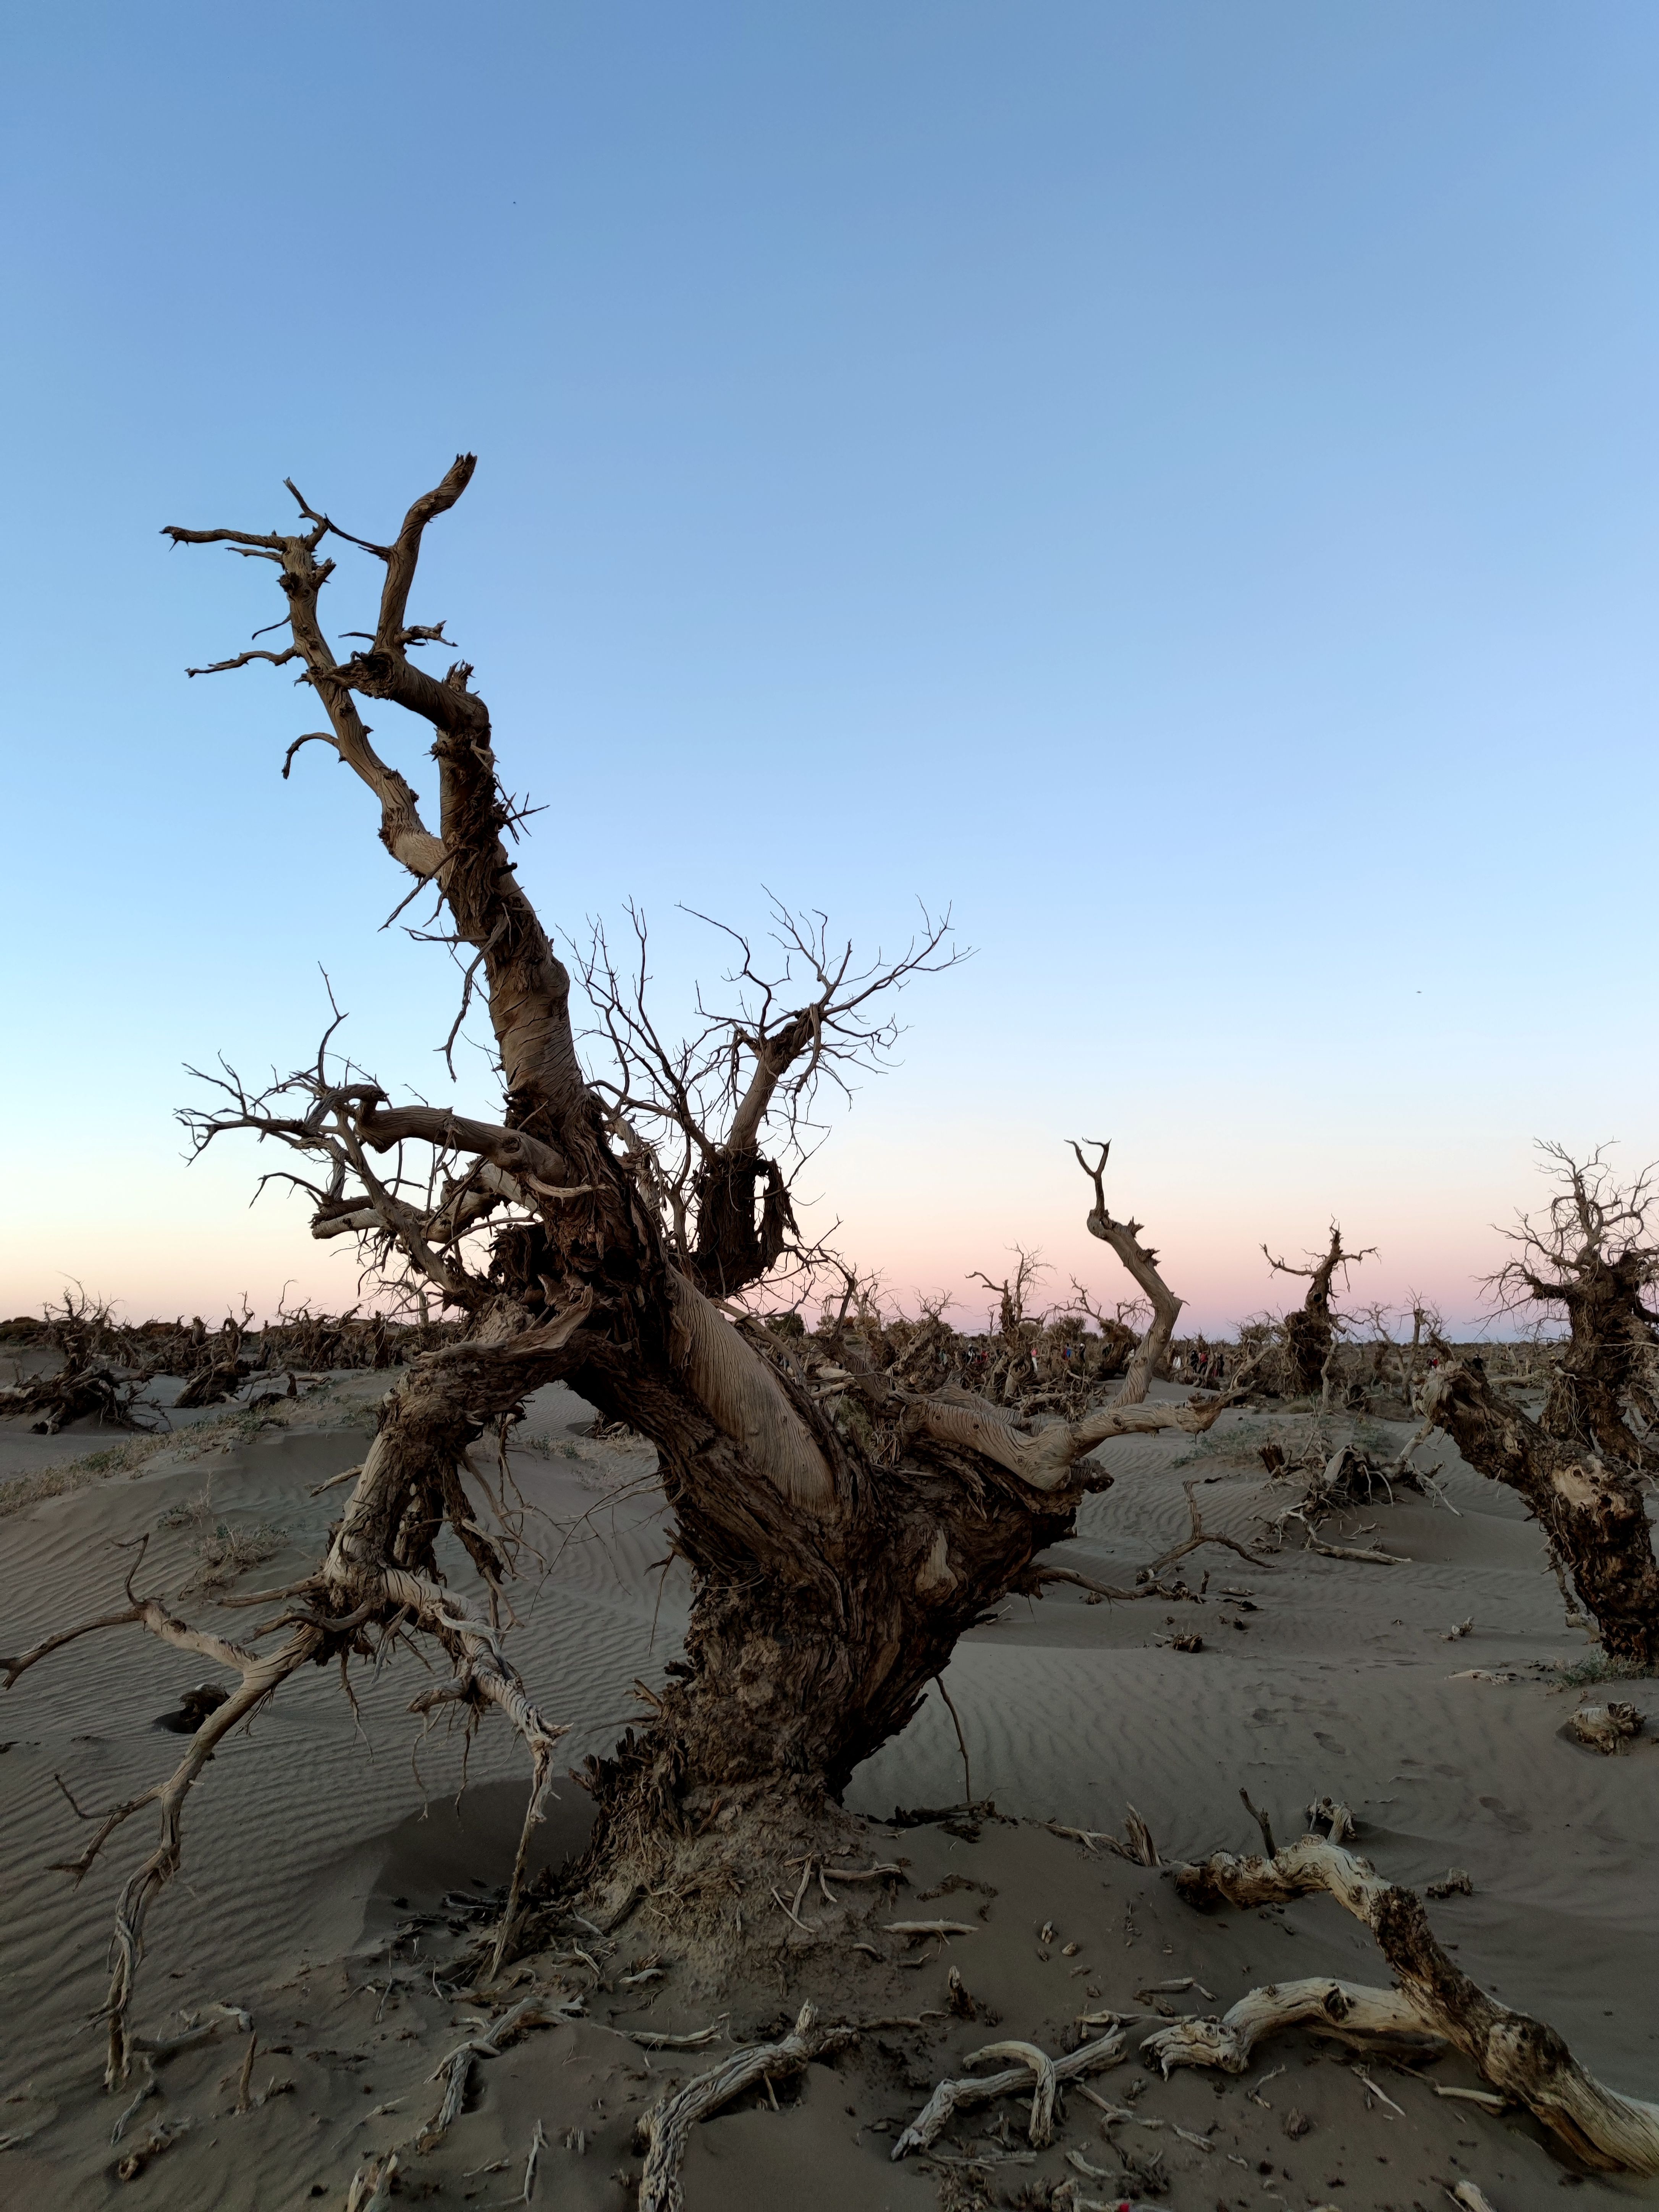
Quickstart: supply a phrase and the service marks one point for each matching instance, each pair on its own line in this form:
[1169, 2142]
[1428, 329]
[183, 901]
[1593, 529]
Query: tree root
[1342, 2009]
[1524, 2058]
[1139, 1849]
[372, 2184]
[950, 2097]
[155, 2054]
[1041, 2132]
[455, 2070]
[161, 2138]
[667, 2127]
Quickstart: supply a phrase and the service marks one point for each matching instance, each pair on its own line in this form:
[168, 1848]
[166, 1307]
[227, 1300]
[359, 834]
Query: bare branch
[218, 667]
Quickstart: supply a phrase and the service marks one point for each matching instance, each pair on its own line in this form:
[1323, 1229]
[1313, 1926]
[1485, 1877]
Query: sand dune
[314, 1839]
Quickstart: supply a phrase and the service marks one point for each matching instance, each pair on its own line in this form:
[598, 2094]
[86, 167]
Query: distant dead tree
[1012, 1292]
[842, 1527]
[1407, 1353]
[1120, 1331]
[1591, 1254]
[96, 1380]
[1141, 1264]
[1310, 1330]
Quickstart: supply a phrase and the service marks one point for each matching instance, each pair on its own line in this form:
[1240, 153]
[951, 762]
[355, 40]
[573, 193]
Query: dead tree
[1012, 1292]
[1119, 1332]
[842, 1529]
[1012, 1371]
[1406, 1355]
[1580, 1467]
[1124, 1237]
[1311, 1329]
[98, 1379]
[1590, 1255]
[1591, 1507]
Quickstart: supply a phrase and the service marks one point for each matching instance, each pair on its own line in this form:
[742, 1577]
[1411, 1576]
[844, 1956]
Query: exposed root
[159, 2139]
[951, 2096]
[1136, 1845]
[1364, 1558]
[1042, 1575]
[1041, 2132]
[149, 2086]
[455, 2071]
[1521, 2057]
[371, 2185]
[1342, 1480]
[1337, 1818]
[1342, 2009]
[698, 2040]
[667, 2127]
[155, 2053]
[260, 1677]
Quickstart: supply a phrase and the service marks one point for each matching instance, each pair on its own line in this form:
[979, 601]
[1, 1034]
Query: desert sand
[334, 1866]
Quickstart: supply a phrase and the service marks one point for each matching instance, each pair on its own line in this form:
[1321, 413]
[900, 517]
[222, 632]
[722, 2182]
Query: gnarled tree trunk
[1591, 1254]
[1593, 1511]
[1603, 1372]
[841, 1528]
[1309, 1330]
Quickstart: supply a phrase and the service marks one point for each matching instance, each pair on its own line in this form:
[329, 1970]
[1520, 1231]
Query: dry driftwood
[1040, 2131]
[1344, 2010]
[1036, 2072]
[1522, 2058]
[1199, 1536]
[1136, 1844]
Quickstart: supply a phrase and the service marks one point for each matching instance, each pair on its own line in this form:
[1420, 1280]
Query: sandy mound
[330, 1876]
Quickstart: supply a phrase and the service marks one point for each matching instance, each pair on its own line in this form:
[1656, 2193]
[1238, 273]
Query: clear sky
[1174, 481]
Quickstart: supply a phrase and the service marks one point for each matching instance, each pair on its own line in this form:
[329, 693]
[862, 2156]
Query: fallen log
[1521, 2057]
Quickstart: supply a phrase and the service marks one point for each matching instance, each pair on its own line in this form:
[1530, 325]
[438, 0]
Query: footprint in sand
[1517, 1823]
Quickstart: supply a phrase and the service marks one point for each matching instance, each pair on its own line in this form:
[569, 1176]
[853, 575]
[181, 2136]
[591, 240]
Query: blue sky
[1174, 481]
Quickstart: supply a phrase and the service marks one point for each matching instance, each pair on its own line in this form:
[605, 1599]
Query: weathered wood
[1522, 2058]
[1593, 1509]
